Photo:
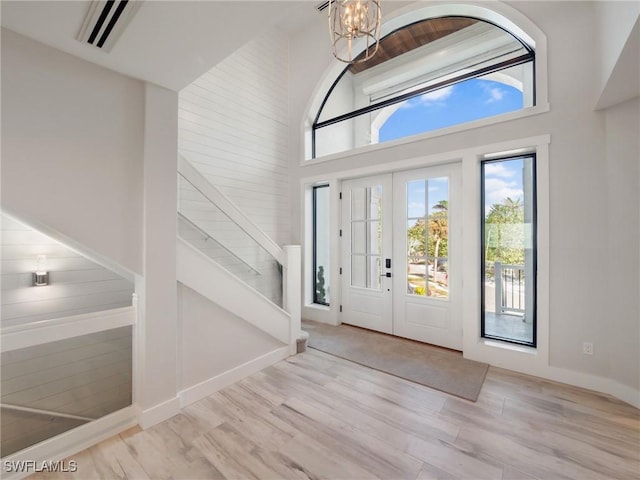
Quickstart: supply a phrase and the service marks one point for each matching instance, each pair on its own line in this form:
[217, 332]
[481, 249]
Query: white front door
[401, 254]
[427, 238]
[366, 244]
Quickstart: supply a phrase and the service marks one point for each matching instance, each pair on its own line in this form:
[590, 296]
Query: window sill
[318, 306]
[508, 346]
[507, 117]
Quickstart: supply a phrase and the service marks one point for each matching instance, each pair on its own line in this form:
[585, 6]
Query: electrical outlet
[587, 348]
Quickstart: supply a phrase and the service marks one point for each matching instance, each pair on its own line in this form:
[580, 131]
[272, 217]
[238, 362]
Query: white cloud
[498, 170]
[495, 94]
[415, 209]
[496, 190]
[437, 96]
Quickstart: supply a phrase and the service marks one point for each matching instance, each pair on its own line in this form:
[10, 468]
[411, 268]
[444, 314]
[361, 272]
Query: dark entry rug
[434, 367]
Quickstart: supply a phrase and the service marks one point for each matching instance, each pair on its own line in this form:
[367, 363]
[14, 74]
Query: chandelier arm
[350, 20]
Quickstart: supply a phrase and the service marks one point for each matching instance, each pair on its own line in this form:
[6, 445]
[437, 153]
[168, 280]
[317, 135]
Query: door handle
[388, 275]
[387, 263]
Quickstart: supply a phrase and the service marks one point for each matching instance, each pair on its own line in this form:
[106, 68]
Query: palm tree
[509, 212]
[439, 228]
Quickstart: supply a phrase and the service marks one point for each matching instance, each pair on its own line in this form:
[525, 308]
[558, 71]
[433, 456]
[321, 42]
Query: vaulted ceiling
[411, 37]
[169, 43]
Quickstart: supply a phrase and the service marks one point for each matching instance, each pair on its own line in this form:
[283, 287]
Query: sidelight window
[321, 279]
[509, 249]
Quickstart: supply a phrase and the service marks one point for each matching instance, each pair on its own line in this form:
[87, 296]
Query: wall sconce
[41, 276]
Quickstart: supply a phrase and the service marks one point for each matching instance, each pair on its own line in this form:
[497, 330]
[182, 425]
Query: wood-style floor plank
[314, 416]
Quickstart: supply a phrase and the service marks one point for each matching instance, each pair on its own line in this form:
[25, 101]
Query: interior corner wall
[213, 340]
[233, 125]
[157, 383]
[614, 22]
[621, 284]
[72, 140]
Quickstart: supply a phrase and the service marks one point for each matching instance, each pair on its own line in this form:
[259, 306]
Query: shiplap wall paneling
[76, 284]
[87, 376]
[233, 128]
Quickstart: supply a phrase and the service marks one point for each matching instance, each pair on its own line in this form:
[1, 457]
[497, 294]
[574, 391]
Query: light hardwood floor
[317, 416]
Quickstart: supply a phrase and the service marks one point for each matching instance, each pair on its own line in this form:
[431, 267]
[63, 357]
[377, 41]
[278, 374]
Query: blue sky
[463, 102]
[501, 180]
[452, 105]
[416, 198]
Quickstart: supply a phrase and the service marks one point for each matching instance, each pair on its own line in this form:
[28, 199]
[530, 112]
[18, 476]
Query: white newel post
[292, 292]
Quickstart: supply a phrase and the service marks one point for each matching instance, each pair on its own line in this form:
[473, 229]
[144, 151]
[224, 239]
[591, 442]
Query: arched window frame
[501, 15]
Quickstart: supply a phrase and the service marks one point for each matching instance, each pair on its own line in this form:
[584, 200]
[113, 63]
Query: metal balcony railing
[509, 288]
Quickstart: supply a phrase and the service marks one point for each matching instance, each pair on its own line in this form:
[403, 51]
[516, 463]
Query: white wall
[580, 183]
[76, 284]
[72, 148]
[213, 340]
[620, 324]
[157, 328]
[233, 126]
[614, 22]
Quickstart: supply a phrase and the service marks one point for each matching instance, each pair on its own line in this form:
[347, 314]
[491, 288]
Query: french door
[366, 246]
[401, 254]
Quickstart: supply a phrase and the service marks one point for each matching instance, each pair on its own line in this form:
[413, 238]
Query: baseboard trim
[158, 413]
[588, 381]
[625, 393]
[599, 384]
[67, 444]
[208, 387]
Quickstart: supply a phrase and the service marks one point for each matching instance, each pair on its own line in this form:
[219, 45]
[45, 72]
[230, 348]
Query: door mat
[428, 365]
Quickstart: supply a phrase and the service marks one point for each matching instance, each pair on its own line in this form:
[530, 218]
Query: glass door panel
[367, 240]
[427, 233]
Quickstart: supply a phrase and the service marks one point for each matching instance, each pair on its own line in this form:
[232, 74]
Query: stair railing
[257, 251]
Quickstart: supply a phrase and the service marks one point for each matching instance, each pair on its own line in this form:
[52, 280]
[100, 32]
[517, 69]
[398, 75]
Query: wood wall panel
[77, 284]
[233, 125]
[88, 376]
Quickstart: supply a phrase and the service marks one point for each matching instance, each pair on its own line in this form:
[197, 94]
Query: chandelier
[350, 20]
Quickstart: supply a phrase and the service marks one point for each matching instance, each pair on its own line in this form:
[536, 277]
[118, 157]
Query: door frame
[453, 170]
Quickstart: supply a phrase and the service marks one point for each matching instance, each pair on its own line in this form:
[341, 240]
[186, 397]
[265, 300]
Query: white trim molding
[205, 276]
[69, 443]
[158, 413]
[501, 354]
[208, 387]
[47, 331]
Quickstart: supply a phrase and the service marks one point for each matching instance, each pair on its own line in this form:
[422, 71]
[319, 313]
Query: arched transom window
[428, 75]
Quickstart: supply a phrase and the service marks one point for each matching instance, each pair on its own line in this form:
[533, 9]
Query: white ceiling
[169, 43]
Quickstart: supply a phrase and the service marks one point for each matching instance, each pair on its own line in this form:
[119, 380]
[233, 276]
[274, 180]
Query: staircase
[225, 257]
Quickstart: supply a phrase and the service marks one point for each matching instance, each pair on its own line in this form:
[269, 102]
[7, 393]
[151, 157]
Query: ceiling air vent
[321, 7]
[105, 22]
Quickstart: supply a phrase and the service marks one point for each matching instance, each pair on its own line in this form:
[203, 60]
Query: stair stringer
[202, 274]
